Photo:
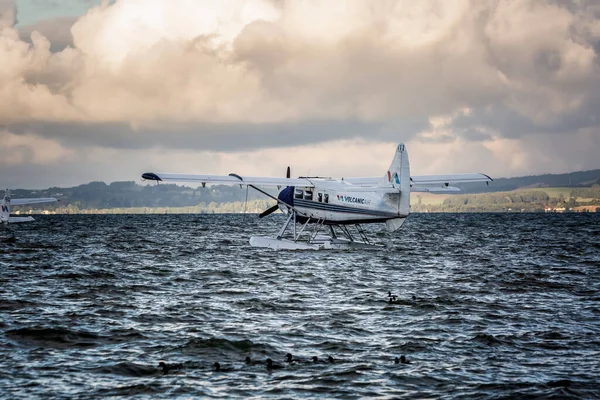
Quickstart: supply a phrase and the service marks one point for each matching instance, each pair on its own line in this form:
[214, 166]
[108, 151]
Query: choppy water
[506, 305]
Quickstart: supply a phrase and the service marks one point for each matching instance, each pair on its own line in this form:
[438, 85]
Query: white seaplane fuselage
[336, 202]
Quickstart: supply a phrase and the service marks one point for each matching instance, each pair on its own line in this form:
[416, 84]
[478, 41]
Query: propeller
[271, 210]
[268, 211]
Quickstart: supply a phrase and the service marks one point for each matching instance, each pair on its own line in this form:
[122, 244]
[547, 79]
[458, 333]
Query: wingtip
[151, 176]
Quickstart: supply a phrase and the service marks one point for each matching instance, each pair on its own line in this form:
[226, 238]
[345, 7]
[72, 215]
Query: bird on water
[271, 366]
[218, 368]
[166, 368]
[401, 360]
[250, 361]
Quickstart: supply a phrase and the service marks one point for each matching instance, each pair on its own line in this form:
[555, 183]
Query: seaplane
[7, 202]
[328, 213]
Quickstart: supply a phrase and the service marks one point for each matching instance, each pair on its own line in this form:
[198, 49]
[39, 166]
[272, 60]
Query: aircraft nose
[287, 195]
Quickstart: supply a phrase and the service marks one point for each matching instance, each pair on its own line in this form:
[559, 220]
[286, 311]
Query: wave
[66, 338]
[129, 369]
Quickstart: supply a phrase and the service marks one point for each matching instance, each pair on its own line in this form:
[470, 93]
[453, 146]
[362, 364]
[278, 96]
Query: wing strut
[265, 193]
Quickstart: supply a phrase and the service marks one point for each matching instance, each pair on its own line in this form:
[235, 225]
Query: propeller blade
[268, 211]
[287, 175]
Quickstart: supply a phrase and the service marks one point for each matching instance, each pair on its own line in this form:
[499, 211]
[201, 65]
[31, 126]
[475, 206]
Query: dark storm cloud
[512, 124]
[216, 137]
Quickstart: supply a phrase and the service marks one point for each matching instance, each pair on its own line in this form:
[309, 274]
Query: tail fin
[398, 176]
[5, 207]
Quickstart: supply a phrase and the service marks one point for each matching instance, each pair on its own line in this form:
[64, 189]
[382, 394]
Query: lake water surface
[490, 306]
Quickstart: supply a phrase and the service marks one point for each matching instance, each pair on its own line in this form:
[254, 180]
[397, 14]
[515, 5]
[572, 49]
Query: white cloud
[145, 61]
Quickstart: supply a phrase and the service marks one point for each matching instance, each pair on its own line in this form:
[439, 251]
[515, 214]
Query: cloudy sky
[106, 90]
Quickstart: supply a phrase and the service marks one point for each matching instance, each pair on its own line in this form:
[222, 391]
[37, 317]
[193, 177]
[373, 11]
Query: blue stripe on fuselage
[344, 209]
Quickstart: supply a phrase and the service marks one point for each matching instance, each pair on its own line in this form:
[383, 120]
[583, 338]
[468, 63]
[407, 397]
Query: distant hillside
[99, 195]
[573, 179]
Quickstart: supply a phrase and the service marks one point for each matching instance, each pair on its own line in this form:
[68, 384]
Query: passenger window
[320, 197]
[308, 195]
[299, 193]
[326, 198]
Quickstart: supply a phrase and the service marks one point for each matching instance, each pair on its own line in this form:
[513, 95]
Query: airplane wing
[231, 179]
[23, 202]
[427, 183]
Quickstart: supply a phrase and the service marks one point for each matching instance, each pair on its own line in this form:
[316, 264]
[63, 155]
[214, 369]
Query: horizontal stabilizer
[14, 220]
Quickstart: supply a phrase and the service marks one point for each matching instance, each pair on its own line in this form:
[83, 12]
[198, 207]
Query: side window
[326, 198]
[308, 195]
[299, 194]
[320, 197]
